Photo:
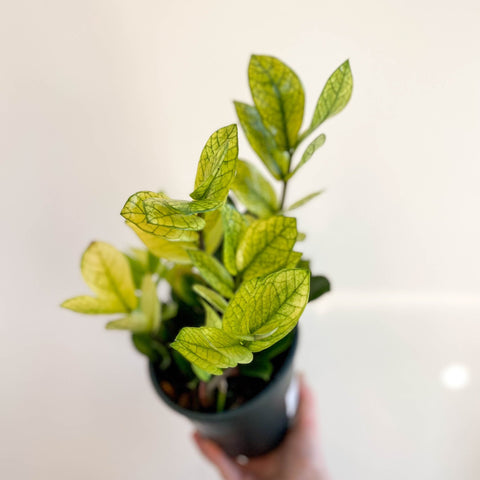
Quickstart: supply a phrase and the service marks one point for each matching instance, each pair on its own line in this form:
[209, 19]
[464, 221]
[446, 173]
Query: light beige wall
[99, 99]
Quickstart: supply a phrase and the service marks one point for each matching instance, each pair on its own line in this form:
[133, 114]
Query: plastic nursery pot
[257, 426]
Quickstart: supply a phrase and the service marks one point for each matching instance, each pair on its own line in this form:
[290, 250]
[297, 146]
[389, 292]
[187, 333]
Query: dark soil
[190, 394]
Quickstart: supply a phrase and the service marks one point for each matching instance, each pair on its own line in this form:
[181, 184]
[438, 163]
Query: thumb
[227, 467]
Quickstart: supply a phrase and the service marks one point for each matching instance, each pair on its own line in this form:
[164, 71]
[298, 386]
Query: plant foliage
[237, 286]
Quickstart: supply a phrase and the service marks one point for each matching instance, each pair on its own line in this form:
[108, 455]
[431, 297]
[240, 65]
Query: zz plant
[237, 285]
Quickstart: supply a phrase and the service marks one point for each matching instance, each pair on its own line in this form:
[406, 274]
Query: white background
[100, 99]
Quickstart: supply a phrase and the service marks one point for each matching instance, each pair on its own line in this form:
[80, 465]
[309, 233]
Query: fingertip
[217, 456]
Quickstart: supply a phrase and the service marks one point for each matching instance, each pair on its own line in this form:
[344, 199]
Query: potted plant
[221, 343]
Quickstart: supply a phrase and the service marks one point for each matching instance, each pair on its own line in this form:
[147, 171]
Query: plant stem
[222, 394]
[284, 193]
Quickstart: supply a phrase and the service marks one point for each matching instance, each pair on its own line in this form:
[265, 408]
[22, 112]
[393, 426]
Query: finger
[227, 467]
[306, 416]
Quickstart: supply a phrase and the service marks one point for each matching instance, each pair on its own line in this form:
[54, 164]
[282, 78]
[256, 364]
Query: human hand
[296, 458]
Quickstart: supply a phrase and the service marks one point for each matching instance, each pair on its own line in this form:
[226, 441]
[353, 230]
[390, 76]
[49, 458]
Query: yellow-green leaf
[136, 322]
[212, 318]
[134, 211]
[94, 305]
[234, 226]
[213, 272]
[149, 303]
[186, 207]
[262, 141]
[107, 272]
[254, 191]
[213, 231]
[266, 246]
[309, 151]
[212, 297]
[201, 374]
[162, 248]
[210, 349]
[158, 212]
[304, 200]
[279, 97]
[269, 306]
[217, 165]
[293, 259]
[334, 97]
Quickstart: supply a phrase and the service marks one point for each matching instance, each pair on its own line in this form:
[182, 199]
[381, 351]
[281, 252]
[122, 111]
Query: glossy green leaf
[319, 285]
[334, 97]
[309, 151]
[279, 98]
[162, 248]
[212, 297]
[262, 141]
[212, 318]
[304, 200]
[267, 304]
[210, 349]
[134, 211]
[217, 165]
[149, 303]
[234, 226]
[254, 191]
[213, 272]
[107, 272]
[265, 246]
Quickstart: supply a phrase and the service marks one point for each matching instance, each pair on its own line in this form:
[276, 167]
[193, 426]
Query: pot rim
[227, 414]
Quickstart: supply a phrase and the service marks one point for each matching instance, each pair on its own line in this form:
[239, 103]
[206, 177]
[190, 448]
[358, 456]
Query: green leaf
[182, 280]
[202, 375]
[134, 211]
[234, 226]
[278, 95]
[212, 297]
[216, 168]
[186, 207]
[211, 317]
[213, 272]
[272, 303]
[263, 368]
[304, 200]
[107, 272]
[149, 303]
[135, 322]
[309, 151]
[162, 248]
[293, 259]
[159, 212]
[210, 349]
[94, 305]
[142, 261]
[318, 286]
[152, 348]
[266, 245]
[254, 191]
[213, 231]
[262, 141]
[334, 97]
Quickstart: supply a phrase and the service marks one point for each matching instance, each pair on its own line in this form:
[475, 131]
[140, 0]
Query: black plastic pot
[255, 427]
